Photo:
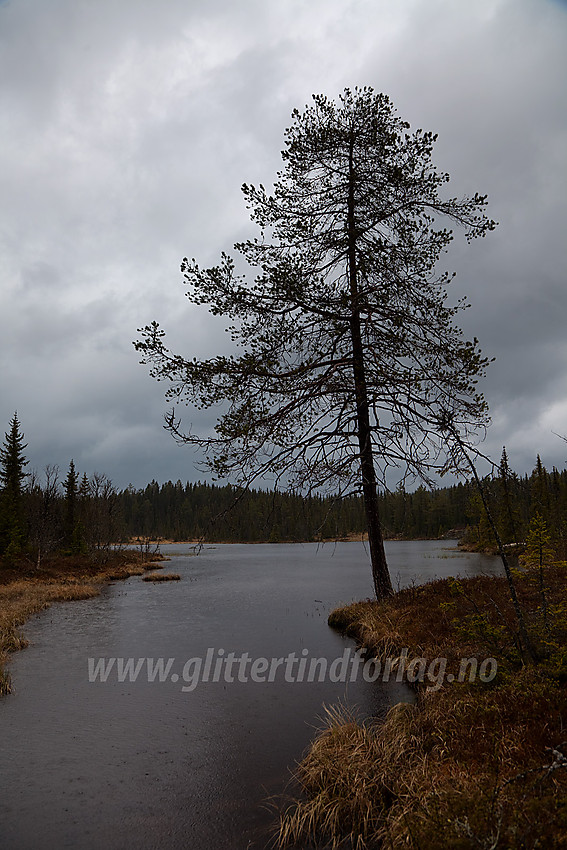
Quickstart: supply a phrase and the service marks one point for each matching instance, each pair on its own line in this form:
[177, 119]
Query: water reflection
[145, 765]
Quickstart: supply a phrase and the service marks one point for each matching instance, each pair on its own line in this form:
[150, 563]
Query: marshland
[26, 590]
[157, 760]
[450, 732]
[469, 764]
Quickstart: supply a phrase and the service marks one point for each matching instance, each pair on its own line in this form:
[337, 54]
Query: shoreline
[25, 591]
[469, 764]
[352, 538]
[158, 541]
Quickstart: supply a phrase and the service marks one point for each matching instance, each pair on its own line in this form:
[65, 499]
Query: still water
[143, 765]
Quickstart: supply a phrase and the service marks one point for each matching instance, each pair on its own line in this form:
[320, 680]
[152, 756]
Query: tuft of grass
[162, 577]
[460, 773]
[345, 788]
[5, 682]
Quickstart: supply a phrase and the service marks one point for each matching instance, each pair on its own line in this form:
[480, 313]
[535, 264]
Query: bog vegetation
[468, 765]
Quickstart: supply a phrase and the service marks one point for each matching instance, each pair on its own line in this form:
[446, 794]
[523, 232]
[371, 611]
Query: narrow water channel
[183, 763]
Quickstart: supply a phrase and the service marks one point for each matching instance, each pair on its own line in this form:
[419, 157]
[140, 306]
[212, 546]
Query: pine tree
[350, 360]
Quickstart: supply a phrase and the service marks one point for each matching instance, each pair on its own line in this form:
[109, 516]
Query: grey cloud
[127, 129]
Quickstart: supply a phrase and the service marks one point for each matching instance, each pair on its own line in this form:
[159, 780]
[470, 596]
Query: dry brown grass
[469, 765]
[25, 591]
[162, 577]
[451, 618]
[346, 790]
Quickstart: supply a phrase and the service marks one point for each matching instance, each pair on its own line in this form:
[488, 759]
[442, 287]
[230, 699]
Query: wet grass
[469, 765]
[162, 577]
[24, 591]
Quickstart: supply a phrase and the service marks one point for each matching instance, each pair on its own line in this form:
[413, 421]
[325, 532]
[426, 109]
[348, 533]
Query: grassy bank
[24, 591]
[162, 577]
[471, 764]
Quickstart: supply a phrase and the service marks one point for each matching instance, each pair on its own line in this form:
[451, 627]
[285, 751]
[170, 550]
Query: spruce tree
[540, 490]
[540, 554]
[70, 486]
[507, 513]
[12, 476]
[74, 529]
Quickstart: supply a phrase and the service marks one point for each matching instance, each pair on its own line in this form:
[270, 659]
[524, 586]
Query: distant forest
[223, 513]
[190, 511]
[79, 514]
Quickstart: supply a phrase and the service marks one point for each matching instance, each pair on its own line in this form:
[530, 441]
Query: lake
[187, 763]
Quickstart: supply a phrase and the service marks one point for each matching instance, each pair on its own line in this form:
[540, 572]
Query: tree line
[78, 514]
[223, 513]
[226, 513]
[44, 514]
[518, 505]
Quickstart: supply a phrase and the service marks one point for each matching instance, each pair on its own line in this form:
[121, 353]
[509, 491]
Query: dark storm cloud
[126, 130]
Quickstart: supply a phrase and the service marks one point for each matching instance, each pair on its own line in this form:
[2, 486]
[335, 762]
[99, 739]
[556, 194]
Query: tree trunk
[380, 572]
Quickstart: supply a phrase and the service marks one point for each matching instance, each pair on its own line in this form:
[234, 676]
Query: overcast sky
[127, 128]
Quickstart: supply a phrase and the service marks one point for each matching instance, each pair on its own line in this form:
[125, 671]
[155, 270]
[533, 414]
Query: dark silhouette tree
[349, 350]
[71, 487]
[12, 476]
[508, 525]
[540, 489]
[74, 530]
